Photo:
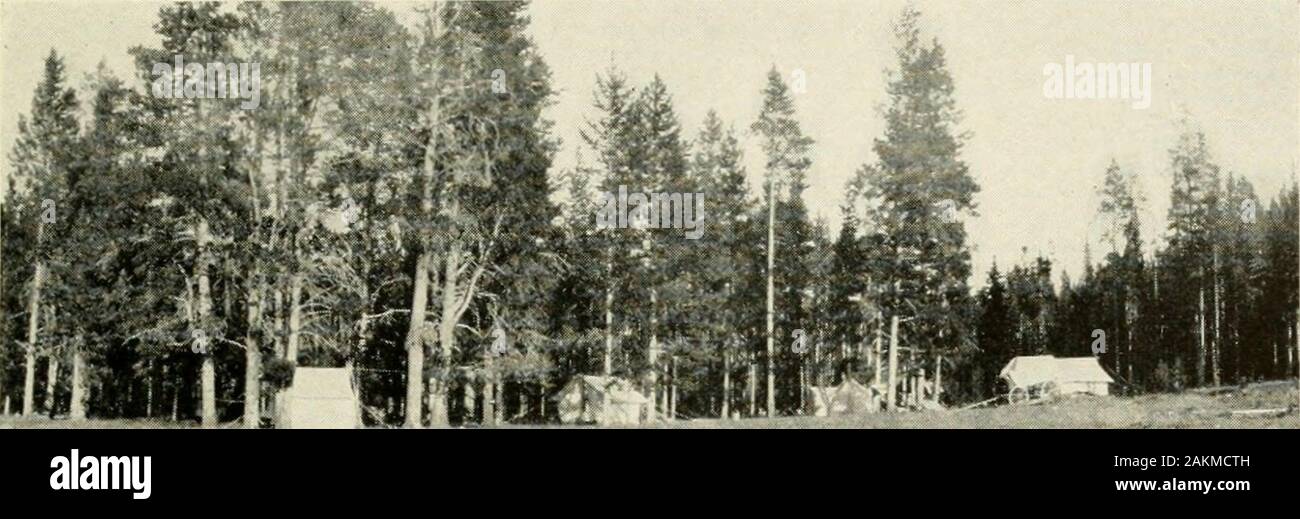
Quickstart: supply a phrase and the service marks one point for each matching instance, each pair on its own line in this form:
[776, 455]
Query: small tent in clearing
[1067, 376]
[319, 398]
[600, 400]
[849, 397]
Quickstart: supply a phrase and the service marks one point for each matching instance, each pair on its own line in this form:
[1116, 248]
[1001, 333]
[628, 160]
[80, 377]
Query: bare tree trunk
[938, 378]
[295, 318]
[1240, 371]
[652, 357]
[1278, 368]
[726, 383]
[891, 393]
[279, 209]
[753, 385]
[208, 385]
[816, 367]
[1291, 351]
[278, 341]
[148, 394]
[856, 352]
[672, 399]
[1200, 349]
[803, 389]
[489, 401]
[52, 366]
[876, 366]
[1216, 342]
[202, 317]
[609, 319]
[1274, 369]
[771, 301]
[208, 370]
[415, 342]
[29, 351]
[77, 410]
[499, 403]
[420, 296]
[918, 387]
[176, 398]
[446, 330]
[4, 397]
[469, 401]
[51, 382]
[543, 389]
[1128, 339]
[253, 358]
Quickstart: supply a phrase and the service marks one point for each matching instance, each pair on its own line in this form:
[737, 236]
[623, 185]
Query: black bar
[545, 471]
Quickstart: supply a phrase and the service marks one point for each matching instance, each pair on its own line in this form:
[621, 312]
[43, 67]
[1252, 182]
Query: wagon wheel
[1017, 395]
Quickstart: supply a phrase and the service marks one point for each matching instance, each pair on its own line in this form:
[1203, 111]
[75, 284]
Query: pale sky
[1233, 65]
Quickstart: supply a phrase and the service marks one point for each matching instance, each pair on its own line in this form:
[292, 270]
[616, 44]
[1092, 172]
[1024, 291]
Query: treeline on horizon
[391, 207]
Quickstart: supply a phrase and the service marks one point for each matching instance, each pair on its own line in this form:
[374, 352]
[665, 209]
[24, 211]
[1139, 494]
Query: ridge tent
[1069, 376]
[600, 400]
[850, 397]
[319, 398]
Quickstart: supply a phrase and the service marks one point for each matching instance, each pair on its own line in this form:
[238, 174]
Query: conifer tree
[41, 157]
[786, 152]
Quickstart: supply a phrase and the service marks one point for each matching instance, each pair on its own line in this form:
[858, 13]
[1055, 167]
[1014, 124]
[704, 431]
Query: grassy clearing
[43, 422]
[1181, 410]
[1192, 409]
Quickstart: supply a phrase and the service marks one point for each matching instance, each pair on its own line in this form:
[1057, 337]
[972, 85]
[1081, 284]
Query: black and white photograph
[678, 214]
[498, 214]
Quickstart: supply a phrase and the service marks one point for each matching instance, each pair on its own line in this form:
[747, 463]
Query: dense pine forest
[391, 206]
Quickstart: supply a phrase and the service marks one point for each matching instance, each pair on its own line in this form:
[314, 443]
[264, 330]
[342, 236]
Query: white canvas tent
[1066, 376]
[600, 400]
[320, 398]
[849, 397]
